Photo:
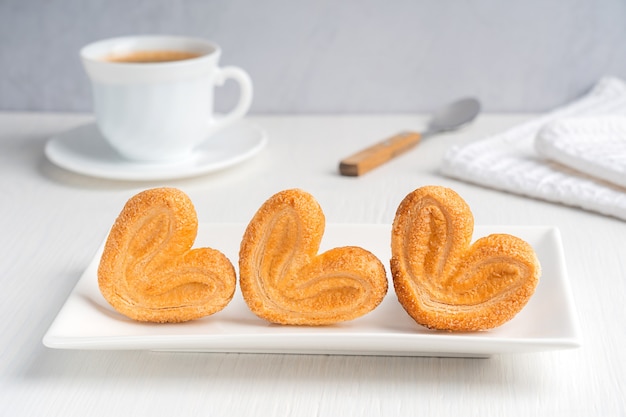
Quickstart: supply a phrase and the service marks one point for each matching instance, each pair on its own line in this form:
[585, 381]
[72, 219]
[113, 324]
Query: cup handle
[245, 94]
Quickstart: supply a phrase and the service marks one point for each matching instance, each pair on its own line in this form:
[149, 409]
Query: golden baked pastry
[441, 280]
[284, 280]
[149, 272]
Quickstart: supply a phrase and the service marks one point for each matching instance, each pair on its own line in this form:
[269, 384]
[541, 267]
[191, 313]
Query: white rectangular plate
[548, 322]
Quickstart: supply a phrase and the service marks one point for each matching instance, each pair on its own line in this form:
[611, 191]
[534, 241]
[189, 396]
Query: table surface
[53, 221]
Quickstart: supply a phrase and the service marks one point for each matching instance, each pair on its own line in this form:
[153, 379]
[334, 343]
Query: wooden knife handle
[369, 158]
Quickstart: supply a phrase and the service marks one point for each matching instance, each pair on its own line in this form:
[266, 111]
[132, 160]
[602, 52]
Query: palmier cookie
[284, 280]
[149, 272]
[441, 280]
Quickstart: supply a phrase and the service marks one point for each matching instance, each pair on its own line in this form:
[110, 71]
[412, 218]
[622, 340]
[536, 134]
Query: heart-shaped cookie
[445, 282]
[149, 272]
[284, 280]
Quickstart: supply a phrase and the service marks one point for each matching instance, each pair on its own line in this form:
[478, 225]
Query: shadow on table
[285, 370]
[67, 178]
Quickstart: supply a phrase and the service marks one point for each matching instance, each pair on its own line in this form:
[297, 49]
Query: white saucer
[85, 151]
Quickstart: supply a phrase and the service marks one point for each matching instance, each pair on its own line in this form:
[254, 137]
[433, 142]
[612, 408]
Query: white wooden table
[52, 222]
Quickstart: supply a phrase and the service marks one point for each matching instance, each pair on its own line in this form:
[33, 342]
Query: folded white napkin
[593, 145]
[508, 161]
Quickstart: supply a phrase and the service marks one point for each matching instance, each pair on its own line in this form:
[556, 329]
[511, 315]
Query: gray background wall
[326, 56]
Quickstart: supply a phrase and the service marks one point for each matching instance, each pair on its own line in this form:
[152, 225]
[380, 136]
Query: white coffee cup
[159, 111]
